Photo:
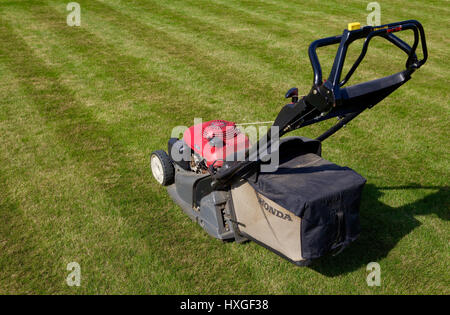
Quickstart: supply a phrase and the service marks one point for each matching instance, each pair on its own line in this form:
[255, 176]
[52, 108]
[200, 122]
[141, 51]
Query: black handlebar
[368, 32]
[331, 99]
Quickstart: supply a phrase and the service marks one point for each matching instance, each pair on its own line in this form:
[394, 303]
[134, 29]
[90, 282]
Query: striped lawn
[81, 109]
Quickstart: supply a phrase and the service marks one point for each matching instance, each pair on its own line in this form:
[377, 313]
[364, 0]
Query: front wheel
[162, 168]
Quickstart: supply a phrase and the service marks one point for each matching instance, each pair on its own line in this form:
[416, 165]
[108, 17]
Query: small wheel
[162, 167]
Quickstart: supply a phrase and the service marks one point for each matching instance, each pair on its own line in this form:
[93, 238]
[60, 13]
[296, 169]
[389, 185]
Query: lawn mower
[306, 207]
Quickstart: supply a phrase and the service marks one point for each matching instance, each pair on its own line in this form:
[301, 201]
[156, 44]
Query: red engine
[214, 140]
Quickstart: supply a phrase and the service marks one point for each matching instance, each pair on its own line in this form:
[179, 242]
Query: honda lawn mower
[306, 207]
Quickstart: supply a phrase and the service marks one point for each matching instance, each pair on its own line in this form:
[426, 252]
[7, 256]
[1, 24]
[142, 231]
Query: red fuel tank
[214, 140]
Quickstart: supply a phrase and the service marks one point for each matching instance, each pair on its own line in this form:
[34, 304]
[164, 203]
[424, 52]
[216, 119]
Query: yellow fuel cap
[354, 26]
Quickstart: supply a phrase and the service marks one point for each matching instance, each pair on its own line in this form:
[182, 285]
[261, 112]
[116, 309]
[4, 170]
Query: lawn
[81, 109]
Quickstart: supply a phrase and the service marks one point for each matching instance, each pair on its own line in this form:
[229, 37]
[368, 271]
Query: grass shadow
[382, 227]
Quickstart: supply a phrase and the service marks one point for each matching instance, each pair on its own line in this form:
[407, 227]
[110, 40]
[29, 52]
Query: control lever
[293, 93]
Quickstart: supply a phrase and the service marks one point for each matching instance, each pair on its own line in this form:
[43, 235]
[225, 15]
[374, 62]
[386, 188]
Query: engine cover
[214, 140]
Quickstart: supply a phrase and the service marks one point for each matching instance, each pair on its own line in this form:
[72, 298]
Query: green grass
[81, 108]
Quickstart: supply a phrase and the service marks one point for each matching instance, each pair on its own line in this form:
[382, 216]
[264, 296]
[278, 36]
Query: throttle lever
[293, 93]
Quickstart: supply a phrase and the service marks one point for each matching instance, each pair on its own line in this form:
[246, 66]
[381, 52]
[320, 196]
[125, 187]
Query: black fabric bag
[324, 195]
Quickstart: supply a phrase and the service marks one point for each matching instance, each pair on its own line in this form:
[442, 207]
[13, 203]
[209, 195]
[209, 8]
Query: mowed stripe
[172, 254]
[76, 205]
[211, 71]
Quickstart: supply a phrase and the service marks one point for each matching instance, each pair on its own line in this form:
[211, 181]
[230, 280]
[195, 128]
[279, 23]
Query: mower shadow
[382, 227]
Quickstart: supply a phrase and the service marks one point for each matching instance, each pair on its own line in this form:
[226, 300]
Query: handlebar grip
[313, 55]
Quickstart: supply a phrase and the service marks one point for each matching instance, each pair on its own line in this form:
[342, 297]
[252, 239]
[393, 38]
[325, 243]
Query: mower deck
[209, 213]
